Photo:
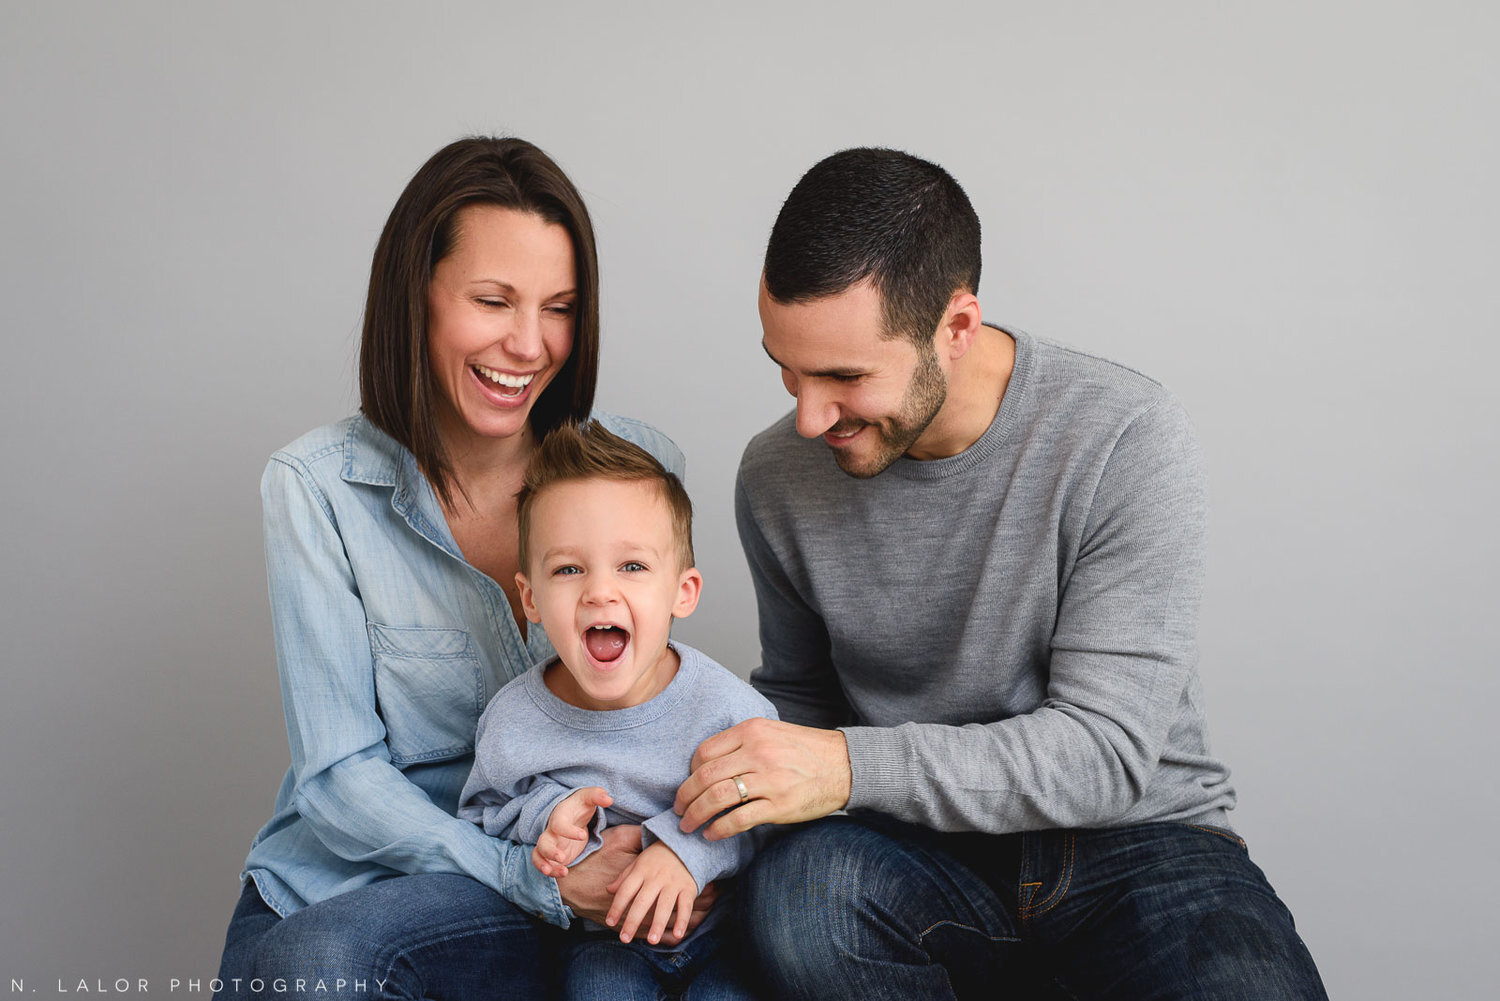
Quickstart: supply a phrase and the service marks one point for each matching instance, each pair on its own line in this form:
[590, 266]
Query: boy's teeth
[509, 381]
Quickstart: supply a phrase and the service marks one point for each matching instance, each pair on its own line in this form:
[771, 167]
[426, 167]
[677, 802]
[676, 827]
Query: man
[978, 599]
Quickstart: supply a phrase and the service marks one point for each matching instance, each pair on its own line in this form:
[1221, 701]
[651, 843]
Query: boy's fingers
[639, 908]
[630, 884]
[664, 905]
[619, 881]
[684, 913]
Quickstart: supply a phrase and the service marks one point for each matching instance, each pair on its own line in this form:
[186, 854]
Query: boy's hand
[567, 831]
[656, 883]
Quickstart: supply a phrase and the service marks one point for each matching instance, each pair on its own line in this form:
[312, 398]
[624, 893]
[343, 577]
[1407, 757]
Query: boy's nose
[600, 591]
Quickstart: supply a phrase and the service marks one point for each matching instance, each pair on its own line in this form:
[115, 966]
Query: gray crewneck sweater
[533, 749]
[1007, 636]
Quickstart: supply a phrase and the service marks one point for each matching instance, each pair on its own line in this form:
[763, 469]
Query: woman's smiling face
[500, 314]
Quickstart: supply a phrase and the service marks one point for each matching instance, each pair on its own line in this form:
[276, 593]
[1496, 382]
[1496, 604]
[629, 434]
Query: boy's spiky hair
[591, 452]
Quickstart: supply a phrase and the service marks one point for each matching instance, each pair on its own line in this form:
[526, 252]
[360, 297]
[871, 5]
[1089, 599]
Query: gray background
[1287, 212]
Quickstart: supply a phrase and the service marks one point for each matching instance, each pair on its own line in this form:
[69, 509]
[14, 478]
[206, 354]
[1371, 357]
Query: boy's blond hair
[590, 452]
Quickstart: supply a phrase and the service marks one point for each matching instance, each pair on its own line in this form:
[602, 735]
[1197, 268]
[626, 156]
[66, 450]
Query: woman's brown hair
[396, 389]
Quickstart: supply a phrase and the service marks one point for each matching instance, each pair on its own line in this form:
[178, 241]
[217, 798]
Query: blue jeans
[438, 936]
[598, 965]
[873, 909]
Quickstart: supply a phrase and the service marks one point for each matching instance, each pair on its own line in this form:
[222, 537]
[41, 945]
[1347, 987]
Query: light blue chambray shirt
[389, 644]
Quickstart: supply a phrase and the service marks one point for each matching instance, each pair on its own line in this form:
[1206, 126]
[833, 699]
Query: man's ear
[960, 325]
[689, 587]
[528, 600]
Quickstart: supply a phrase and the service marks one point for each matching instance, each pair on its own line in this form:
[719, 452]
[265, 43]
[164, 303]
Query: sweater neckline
[1016, 393]
[614, 719]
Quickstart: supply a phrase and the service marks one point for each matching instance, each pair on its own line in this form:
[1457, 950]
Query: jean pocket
[1222, 832]
[429, 691]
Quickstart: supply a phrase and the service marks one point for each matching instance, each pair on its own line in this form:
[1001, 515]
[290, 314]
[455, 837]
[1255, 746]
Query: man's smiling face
[869, 397]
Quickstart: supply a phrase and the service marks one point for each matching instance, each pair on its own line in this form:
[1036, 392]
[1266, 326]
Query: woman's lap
[434, 935]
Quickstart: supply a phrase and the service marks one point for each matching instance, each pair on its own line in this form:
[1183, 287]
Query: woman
[391, 553]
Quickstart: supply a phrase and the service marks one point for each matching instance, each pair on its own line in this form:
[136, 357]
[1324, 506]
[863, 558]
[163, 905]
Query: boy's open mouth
[605, 643]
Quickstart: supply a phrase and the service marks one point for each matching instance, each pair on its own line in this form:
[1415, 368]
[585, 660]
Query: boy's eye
[566, 571]
[633, 567]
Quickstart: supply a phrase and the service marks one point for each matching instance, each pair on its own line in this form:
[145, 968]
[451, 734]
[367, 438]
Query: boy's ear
[528, 600]
[689, 587]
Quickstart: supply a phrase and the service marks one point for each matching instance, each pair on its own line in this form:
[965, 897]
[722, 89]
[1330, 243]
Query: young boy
[605, 732]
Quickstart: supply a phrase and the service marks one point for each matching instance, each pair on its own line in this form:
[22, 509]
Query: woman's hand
[585, 887]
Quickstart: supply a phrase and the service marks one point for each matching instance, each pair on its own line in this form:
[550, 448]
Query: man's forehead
[838, 336]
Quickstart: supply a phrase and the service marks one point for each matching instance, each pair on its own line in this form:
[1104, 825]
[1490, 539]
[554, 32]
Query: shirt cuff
[536, 893]
[881, 773]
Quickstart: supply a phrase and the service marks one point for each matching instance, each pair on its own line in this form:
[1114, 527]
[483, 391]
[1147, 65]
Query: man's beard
[924, 397]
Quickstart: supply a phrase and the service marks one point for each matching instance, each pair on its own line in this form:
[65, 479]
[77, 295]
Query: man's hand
[790, 774]
[567, 830]
[587, 887]
[658, 884]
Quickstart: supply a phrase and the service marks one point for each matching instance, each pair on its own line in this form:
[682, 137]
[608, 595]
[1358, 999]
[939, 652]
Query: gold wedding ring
[739, 784]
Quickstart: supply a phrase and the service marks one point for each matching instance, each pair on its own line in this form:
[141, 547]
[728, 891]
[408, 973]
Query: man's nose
[816, 410]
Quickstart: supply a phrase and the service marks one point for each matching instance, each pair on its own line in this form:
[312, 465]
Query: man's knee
[834, 886]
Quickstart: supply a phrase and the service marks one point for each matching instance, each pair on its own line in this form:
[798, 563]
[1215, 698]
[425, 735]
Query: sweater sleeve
[796, 671]
[352, 797]
[1122, 652]
[710, 860]
[515, 804]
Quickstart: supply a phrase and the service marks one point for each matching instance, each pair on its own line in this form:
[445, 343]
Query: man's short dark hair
[883, 215]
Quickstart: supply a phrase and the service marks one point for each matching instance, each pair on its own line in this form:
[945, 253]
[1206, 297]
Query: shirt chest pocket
[429, 690]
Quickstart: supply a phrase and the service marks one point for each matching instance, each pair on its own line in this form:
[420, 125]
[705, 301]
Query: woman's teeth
[515, 382]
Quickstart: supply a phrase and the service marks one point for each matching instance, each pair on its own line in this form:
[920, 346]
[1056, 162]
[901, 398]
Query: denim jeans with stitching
[875, 909]
[598, 965]
[438, 936]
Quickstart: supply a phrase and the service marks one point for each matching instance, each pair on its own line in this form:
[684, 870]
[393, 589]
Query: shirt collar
[373, 457]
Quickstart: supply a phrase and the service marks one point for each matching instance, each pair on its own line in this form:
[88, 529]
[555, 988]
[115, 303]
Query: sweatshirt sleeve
[511, 803]
[1121, 655]
[352, 797]
[710, 860]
